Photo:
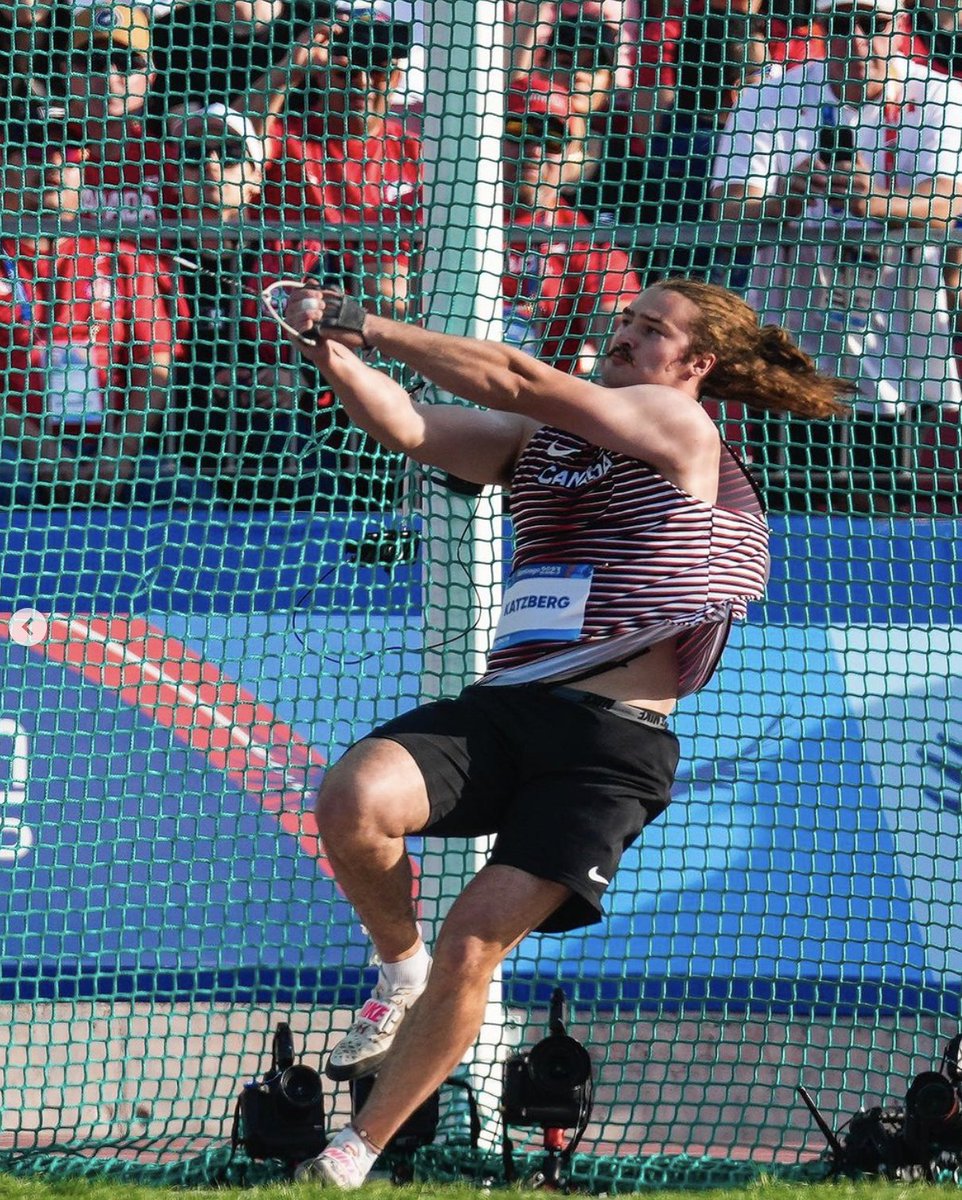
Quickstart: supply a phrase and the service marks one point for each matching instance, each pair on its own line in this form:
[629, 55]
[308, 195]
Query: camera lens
[559, 1063]
[932, 1112]
[300, 1086]
[932, 1100]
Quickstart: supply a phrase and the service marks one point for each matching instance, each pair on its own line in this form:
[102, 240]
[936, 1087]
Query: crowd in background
[164, 164]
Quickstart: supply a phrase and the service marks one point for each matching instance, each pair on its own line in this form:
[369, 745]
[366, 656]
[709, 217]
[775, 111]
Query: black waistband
[617, 708]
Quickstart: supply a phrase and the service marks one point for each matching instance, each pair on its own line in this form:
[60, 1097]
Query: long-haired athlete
[639, 538]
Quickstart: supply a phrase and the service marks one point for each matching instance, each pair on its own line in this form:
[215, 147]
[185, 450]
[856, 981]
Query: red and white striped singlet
[611, 558]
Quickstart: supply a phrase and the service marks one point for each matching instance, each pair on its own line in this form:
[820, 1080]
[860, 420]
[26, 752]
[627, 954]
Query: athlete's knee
[343, 803]
[357, 803]
[467, 951]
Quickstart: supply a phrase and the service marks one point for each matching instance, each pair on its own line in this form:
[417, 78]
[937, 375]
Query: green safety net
[213, 582]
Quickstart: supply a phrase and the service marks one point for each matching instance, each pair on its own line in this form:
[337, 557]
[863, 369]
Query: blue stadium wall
[808, 861]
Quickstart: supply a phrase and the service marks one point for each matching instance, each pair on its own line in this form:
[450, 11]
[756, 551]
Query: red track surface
[202, 707]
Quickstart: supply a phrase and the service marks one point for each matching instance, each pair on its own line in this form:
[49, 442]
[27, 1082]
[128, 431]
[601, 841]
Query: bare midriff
[650, 680]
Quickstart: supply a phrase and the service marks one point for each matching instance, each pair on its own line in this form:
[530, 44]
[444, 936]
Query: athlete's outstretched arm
[645, 421]
[487, 373]
[478, 446]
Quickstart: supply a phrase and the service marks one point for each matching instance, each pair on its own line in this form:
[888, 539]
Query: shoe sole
[325, 1178]
[358, 1070]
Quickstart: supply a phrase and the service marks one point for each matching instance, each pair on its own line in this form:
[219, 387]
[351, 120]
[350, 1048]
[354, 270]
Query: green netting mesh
[212, 583]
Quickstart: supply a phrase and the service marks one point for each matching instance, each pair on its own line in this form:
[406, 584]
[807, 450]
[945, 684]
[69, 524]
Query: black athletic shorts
[565, 786]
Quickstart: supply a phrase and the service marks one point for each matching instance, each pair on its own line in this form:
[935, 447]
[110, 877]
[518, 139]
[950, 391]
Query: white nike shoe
[365, 1045]
[344, 1163]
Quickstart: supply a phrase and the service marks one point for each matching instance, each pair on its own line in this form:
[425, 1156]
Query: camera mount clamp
[548, 1177]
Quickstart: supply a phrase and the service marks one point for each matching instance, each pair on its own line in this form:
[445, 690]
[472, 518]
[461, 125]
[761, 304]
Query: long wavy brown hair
[758, 364]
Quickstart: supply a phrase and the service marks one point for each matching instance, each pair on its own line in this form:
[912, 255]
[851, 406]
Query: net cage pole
[462, 267]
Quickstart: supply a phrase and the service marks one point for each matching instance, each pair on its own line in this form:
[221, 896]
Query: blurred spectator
[87, 338]
[211, 51]
[612, 187]
[693, 57]
[937, 25]
[24, 34]
[529, 24]
[558, 295]
[105, 43]
[336, 156]
[576, 62]
[213, 168]
[866, 133]
[235, 355]
[612, 66]
[311, 53]
[89, 153]
[719, 46]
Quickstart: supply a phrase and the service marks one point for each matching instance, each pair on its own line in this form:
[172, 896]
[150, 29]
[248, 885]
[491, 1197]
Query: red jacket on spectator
[73, 321]
[319, 179]
[572, 283]
[121, 180]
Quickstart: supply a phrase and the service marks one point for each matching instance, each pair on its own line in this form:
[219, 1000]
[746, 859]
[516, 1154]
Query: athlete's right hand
[327, 314]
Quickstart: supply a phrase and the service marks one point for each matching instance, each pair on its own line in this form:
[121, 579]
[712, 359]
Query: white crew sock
[410, 973]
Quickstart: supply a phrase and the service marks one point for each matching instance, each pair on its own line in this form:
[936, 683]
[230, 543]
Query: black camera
[933, 1104]
[551, 1084]
[919, 1139]
[282, 1115]
[836, 145]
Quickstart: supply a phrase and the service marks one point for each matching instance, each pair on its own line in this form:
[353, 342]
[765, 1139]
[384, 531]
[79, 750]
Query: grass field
[36, 1189]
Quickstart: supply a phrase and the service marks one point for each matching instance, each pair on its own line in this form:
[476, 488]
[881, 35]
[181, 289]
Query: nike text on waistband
[617, 708]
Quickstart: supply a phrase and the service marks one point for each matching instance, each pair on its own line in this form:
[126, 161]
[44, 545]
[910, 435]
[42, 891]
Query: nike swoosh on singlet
[556, 451]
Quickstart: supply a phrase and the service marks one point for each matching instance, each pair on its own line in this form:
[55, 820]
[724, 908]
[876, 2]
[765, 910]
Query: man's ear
[702, 365]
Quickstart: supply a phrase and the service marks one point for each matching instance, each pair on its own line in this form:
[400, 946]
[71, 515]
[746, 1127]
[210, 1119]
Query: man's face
[363, 87]
[651, 341]
[357, 88]
[107, 80]
[532, 157]
[218, 176]
[860, 50]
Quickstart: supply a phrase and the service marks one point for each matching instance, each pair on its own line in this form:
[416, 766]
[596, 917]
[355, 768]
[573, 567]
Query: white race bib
[72, 391]
[544, 603]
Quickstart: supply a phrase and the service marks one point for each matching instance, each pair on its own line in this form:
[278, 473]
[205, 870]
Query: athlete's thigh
[467, 761]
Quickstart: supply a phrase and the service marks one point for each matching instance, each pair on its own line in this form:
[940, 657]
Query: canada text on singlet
[611, 558]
